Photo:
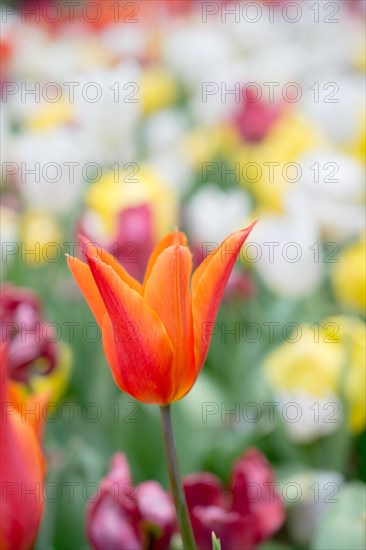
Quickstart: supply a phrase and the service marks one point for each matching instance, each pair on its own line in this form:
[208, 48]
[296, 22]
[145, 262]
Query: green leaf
[343, 525]
[216, 545]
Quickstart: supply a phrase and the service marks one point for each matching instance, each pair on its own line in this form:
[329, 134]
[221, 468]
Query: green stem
[175, 480]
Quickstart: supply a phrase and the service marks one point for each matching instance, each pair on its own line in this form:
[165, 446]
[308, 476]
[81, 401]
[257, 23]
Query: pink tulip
[127, 516]
[133, 242]
[254, 119]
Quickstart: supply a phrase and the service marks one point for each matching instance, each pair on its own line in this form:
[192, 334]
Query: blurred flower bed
[123, 120]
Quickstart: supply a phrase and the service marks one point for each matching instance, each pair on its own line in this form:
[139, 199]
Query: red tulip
[22, 472]
[126, 516]
[155, 335]
[24, 331]
[241, 517]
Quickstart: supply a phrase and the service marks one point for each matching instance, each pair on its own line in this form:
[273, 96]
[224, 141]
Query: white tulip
[57, 185]
[107, 107]
[285, 253]
[212, 214]
[319, 491]
[306, 417]
[331, 187]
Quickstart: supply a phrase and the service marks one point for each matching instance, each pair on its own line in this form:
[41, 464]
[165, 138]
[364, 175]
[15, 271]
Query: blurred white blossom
[212, 214]
[286, 253]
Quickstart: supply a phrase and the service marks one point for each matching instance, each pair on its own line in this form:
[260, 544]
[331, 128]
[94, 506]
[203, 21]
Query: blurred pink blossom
[255, 117]
[134, 241]
[127, 516]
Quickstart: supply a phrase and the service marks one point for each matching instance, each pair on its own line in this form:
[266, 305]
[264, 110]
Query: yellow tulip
[264, 166]
[49, 115]
[40, 236]
[348, 276]
[327, 359]
[57, 380]
[351, 333]
[137, 185]
[158, 89]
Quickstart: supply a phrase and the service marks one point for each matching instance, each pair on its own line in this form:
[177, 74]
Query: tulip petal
[109, 526]
[176, 237]
[168, 293]
[88, 287]
[234, 531]
[24, 403]
[4, 388]
[251, 478]
[203, 489]
[21, 465]
[208, 284]
[91, 249]
[135, 341]
[38, 401]
[156, 508]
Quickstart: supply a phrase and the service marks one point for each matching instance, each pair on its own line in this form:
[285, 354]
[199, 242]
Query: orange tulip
[155, 334]
[21, 467]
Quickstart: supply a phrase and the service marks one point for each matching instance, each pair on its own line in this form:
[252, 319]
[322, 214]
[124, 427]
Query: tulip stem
[175, 480]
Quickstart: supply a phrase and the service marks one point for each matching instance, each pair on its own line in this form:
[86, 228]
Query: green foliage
[343, 525]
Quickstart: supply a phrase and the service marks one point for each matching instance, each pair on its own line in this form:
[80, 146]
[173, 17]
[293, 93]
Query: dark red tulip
[24, 331]
[242, 516]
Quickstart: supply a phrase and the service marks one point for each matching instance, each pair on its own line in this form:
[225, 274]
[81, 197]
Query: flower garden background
[122, 121]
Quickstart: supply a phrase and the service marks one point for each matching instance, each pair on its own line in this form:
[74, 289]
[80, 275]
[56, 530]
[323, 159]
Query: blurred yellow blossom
[137, 185]
[205, 144]
[48, 115]
[266, 168]
[357, 148]
[351, 333]
[92, 53]
[309, 364]
[325, 359]
[8, 231]
[56, 382]
[158, 89]
[359, 61]
[40, 236]
[348, 276]
[53, 385]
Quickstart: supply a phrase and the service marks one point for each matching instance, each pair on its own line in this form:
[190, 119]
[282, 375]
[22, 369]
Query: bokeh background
[123, 120]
